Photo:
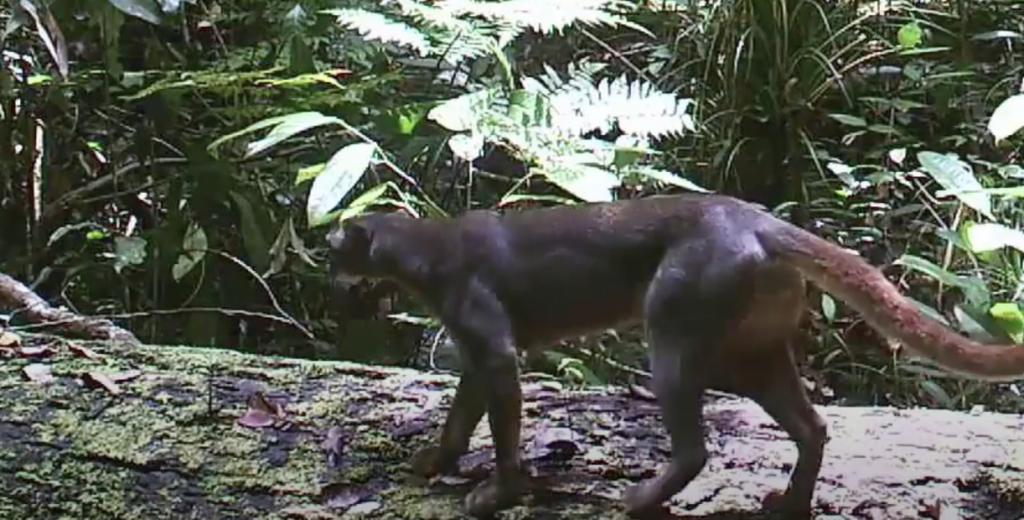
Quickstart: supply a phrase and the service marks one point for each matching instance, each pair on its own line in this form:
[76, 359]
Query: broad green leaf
[843, 172]
[367, 199]
[1008, 117]
[193, 251]
[952, 174]
[1010, 318]
[990, 237]
[587, 182]
[255, 127]
[291, 125]
[973, 288]
[253, 238]
[147, 10]
[897, 155]
[910, 35]
[849, 120]
[340, 175]
[308, 173]
[828, 307]
[128, 251]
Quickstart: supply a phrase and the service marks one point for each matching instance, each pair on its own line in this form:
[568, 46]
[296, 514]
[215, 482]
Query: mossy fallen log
[165, 442]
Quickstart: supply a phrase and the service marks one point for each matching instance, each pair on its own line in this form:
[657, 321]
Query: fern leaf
[545, 16]
[637, 107]
[376, 26]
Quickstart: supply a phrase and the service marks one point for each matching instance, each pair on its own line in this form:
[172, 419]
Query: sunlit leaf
[589, 183]
[193, 251]
[128, 251]
[1010, 318]
[288, 127]
[670, 179]
[991, 236]
[910, 35]
[956, 177]
[828, 307]
[849, 120]
[340, 175]
[1008, 117]
[974, 289]
[49, 32]
[255, 127]
[147, 10]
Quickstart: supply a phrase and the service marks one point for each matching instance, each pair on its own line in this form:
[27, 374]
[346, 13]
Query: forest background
[172, 164]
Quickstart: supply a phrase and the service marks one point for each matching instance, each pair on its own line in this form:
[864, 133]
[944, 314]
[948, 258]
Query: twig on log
[20, 299]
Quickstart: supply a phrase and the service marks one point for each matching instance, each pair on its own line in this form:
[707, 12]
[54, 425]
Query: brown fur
[717, 283]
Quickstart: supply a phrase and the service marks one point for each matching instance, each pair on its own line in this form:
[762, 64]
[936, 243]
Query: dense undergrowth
[172, 164]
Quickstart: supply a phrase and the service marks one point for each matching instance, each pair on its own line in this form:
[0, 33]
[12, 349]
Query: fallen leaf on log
[262, 412]
[36, 351]
[38, 373]
[96, 379]
[9, 339]
[82, 351]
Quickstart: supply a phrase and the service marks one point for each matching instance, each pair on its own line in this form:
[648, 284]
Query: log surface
[170, 446]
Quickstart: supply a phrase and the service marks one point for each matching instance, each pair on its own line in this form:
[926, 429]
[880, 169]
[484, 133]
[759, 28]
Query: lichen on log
[169, 445]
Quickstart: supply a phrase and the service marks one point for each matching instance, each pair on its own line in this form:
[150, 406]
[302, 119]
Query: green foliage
[195, 150]
[460, 30]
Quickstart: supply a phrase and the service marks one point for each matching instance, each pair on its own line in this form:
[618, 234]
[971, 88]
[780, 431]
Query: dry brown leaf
[99, 379]
[34, 351]
[333, 446]
[9, 339]
[938, 510]
[38, 373]
[256, 419]
[259, 401]
[262, 412]
[127, 375]
[83, 351]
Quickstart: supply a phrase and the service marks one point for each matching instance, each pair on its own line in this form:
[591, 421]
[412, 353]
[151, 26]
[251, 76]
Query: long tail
[863, 287]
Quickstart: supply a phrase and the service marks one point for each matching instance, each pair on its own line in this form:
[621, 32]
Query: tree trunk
[170, 445]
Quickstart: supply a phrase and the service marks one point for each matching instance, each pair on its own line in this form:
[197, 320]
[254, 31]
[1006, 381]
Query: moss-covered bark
[169, 446]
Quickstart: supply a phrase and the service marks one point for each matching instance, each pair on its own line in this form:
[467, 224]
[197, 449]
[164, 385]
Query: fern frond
[638, 108]
[545, 16]
[457, 30]
[376, 26]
